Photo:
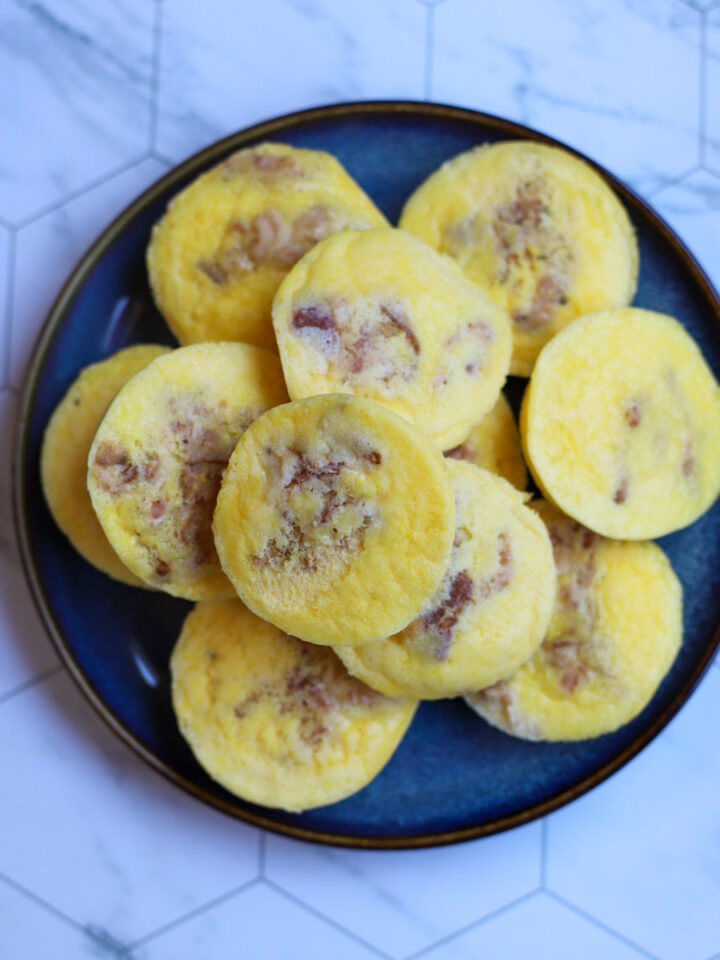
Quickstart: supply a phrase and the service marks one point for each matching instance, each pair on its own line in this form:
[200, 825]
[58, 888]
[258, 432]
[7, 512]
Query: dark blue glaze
[452, 771]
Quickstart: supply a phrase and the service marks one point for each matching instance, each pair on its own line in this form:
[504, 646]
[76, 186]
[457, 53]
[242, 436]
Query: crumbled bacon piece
[621, 491]
[443, 618]
[633, 414]
[314, 317]
[398, 319]
[113, 468]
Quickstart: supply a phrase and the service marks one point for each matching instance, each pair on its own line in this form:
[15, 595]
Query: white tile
[539, 928]
[30, 932]
[98, 834]
[619, 81]
[257, 924]
[712, 98]
[403, 901]
[25, 650]
[692, 207]
[75, 94]
[48, 249]
[5, 252]
[226, 69]
[642, 852]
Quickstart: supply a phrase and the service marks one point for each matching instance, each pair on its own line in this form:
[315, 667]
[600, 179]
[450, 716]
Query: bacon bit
[162, 569]
[398, 319]
[307, 470]
[589, 539]
[215, 271]
[272, 163]
[499, 580]
[267, 228]
[620, 495]
[633, 416]
[460, 452]
[374, 457]
[199, 487]
[688, 463]
[242, 709]
[114, 468]
[564, 656]
[312, 226]
[443, 618]
[157, 509]
[527, 209]
[315, 317]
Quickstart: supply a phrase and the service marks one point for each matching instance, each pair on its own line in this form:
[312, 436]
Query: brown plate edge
[54, 318]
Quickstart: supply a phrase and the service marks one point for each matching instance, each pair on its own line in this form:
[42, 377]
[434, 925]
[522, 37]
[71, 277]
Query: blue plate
[453, 777]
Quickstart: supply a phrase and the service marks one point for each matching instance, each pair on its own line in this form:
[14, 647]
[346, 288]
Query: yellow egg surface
[615, 631]
[65, 448]
[494, 444]
[155, 465]
[277, 721]
[226, 241]
[489, 613]
[537, 228]
[621, 424]
[335, 519]
[379, 314]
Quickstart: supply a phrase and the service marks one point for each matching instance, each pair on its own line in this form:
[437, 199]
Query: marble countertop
[99, 857]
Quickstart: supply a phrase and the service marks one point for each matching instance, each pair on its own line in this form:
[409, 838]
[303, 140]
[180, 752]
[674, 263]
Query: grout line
[600, 925]
[543, 852]
[161, 158]
[58, 914]
[236, 891]
[92, 185]
[262, 851]
[155, 78]
[672, 181]
[702, 127]
[29, 684]
[328, 920]
[9, 306]
[472, 926]
[429, 44]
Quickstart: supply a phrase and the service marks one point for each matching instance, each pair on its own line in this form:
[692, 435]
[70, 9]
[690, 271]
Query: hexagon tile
[34, 928]
[48, 249]
[25, 651]
[617, 80]
[79, 101]
[712, 94]
[540, 928]
[692, 207]
[642, 852]
[402, 902]
[262, 924]
[221, 71]
[104, 813]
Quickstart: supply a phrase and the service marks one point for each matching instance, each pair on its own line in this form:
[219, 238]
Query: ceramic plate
[453, 777]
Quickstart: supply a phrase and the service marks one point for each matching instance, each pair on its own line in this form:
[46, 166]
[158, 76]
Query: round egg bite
[621, 424]
[381, 315]
[335, 519]
[494, 444]
[537, 228]
[274, 720]
[156, 463]
[65, 448]
[615, 631]
[489, 613]
[226, 241]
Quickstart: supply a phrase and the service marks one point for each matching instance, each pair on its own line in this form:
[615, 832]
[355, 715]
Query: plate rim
[55, 316]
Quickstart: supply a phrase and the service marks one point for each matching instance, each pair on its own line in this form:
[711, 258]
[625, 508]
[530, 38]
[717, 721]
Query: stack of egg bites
[328, 467]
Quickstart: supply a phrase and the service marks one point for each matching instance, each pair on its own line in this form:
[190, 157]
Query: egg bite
[216, 257]
[534, 226]
[335, 519]
[274, 720]
[379, 314]
[65, 448]
[621, 424]
[489, 613]
[615, 631]
[155, 465]
[494, 444]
